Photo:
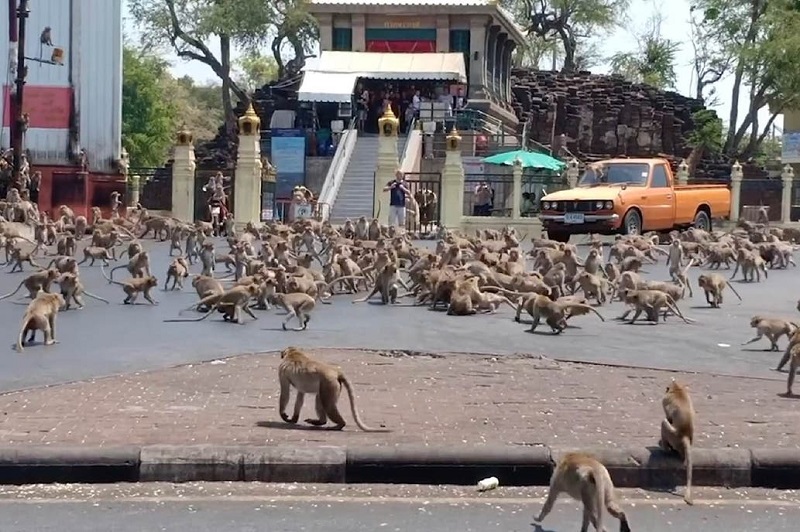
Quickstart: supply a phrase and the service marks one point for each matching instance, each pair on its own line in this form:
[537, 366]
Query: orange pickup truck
[631, 196]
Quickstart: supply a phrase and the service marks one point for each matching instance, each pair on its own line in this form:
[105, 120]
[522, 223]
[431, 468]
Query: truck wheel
[702, 221]
[632, 223]
[558, 236]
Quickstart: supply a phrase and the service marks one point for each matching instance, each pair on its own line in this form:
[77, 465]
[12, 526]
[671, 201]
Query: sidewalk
[430, 400]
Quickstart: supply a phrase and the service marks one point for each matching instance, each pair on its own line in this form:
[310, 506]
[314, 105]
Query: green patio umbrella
[529, 159]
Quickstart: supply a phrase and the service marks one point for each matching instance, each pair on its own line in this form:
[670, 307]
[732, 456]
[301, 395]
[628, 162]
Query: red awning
[407, 47]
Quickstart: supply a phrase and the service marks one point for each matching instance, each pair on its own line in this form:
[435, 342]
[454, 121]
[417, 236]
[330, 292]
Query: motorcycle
[217, 212]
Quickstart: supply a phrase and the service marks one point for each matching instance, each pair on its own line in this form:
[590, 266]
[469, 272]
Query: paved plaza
[112, 339]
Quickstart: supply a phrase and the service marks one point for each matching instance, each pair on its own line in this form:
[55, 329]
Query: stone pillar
[136, 190]
[183, 168]
[124, 164]
[443, 33]
[491, 66]
[499, 67]
[247, 176]
[477, 55]
[508, 59]
[325, 21]
[786, 200]
[359, 25]
[516, 189]
[573, 172]
[683, 173]
[451, 196]
[388, 164]
[736, 189]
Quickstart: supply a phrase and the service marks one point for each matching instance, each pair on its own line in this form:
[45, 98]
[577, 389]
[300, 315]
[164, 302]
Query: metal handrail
[333, 179]
[408, 137]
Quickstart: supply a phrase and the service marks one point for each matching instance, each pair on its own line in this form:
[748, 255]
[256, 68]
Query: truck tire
[558, 236]
[702, 221]
[632, 223]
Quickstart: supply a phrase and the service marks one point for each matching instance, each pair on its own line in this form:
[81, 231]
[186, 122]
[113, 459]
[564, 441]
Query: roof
[327, 86]
[430, 66]
[492, 7]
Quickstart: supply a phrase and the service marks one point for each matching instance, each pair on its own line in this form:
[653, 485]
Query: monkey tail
[109, 279]
[96, 297]
[595, 311]
[21, 336]
[378, 215]
[674, 308]
[14, 292]
[687, 451]
[344, 382]
[733, 290]
[110, 275]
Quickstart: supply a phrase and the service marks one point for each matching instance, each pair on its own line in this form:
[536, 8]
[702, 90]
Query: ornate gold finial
[184, 137]
[388, 113]
[453, 139]
[249, 122]
[388, 124]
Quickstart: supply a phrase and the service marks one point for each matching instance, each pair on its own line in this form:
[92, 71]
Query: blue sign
[289, 158]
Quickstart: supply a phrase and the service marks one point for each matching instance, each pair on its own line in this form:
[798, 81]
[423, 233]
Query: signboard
[47, 107]
[302, 210]
[289, 158]
[790, 151]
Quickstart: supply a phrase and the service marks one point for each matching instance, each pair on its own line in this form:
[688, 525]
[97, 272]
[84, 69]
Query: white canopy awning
[423, 66]
[327, 86]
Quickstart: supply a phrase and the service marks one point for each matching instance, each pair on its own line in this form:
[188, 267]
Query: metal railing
[500, 195]
[338, 167]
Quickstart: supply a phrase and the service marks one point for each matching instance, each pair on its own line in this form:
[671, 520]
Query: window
[460, 42]
[660, 179]
[342, 39]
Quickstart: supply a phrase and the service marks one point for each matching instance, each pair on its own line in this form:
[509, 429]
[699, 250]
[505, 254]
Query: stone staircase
[358, 184]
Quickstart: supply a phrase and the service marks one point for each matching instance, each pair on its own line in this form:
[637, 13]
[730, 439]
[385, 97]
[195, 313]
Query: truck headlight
[546, 205]
[609, 205]
[554, 205]
[598, 205]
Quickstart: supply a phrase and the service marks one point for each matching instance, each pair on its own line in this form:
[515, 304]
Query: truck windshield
[615, 174]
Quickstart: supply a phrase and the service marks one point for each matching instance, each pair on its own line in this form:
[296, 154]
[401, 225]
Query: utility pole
[17, 139]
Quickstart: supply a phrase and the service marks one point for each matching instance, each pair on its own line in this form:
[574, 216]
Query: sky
[675, 27]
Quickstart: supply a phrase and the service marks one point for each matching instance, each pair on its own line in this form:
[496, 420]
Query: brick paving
[446, 399]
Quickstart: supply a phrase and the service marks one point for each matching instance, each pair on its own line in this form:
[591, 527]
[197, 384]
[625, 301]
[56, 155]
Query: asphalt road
[110, 339]
[279, 509]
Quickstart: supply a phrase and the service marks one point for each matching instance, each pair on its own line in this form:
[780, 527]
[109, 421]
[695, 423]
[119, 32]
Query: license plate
[215, 210]
[573, 218]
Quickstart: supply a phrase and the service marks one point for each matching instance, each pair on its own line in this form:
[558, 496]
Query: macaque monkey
[134, 286]
[675, 258]
[232, 303]
[18, 256]
[386, 283]
[306, 375]
[297, 305]
[96, 253]
[64, 264]
[72, 289]
[66, 245]
[555, 313]
[40, 315]
[35, 282]
[772, 328]
[138, 266]
[46, 38]
[677, 429]
[178, 270]
[650, 302]
[713, 284]
[593, 286]
[793, 353]
[585, 479]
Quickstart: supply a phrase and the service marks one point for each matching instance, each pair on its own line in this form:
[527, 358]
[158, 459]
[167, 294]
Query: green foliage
[147, 115]
[568, 23]
[708, 134]
[255, 70]
[197, 106]
[654, 61]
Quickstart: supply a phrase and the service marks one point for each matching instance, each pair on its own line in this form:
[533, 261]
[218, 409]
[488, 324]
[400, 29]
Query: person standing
[397, 199]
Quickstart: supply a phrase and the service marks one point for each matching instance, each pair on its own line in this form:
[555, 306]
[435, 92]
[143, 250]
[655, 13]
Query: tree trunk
[695, 156]
[225, 75]
[570, 46]
[277, 43]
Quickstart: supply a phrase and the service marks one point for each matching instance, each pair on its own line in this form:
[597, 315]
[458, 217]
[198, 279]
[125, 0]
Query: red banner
[402, 47]
[47, 107]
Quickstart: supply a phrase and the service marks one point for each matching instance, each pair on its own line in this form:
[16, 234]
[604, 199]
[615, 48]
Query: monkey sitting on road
[306, 375]
[386, 282]
[585, 479]
[772, 328]
[677, 429]
[40, 315]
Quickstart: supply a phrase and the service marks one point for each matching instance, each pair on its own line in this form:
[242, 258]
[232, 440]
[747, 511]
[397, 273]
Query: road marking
[327, 499]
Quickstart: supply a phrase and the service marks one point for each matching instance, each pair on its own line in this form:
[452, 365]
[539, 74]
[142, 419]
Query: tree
[186, 26]
[295, 25]
[198, 107]
[654, 62]
[713, 58]
[255, 70]
[706, 137]
[761, 39]
[147, 116]
[568, 22]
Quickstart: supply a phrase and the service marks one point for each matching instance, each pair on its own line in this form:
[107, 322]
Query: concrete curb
[407, 464]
